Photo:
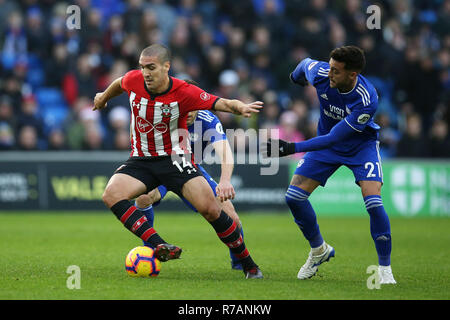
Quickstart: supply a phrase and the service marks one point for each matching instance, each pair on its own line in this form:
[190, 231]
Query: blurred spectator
[14, 44]
[413, 143]
[122, 140]
[114, 36]
[57, 140]
[57, 67]
[228, 84]
[7, 139]
[133, 15]
[440, 140]
[93, 139]
[27, 138]
[38, 41]
[166, 18]
[388, 136]
[86, 83]
[7, 124]
[287, 130]
[270, 113]
[29, 117]
[301, 110]
[119, 118]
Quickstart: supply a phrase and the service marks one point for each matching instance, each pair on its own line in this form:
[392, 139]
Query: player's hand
[247, 110]
[225, 191]
[99, 101]
[279, 148]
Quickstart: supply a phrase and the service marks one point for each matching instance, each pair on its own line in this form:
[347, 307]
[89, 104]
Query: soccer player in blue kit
[204, 129]
[346, 135]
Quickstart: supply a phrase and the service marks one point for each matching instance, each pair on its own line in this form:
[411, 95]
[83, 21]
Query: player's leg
[226, 228]
[146, 203]
[297, 196]
[120, 189]
[228, 208]
[369, 176]
[380, 228]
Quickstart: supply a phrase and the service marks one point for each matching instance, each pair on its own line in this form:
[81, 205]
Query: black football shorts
[171, 171]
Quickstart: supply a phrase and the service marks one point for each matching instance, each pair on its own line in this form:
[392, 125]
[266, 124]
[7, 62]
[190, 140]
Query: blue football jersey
[206, 129]
[356, 107]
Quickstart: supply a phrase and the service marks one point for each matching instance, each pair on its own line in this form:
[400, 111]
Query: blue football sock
[380, 228]
[148, 212]
[304, 215]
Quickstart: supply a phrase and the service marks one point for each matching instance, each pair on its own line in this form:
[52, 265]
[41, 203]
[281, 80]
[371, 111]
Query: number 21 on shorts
[370, 166]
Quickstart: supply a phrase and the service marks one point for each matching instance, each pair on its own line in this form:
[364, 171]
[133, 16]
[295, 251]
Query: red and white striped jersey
[158, 122]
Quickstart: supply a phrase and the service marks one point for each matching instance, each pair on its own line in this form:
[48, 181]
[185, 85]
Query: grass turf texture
[36, 249]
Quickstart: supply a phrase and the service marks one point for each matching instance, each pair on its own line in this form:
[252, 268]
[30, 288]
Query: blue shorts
[213, 184]
[365, 164]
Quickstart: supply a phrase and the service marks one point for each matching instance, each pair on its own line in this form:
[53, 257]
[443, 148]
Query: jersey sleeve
[217, 129]
[195, 98]
[311, 70]
[211, 126]
[128, 79]
[362, 112]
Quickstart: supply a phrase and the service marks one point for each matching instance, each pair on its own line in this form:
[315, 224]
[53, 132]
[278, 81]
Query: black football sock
[134, 220]
[229, 232]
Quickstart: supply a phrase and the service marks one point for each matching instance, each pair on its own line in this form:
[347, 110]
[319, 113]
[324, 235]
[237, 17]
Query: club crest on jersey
[204, 96]
[166, 111]
[143, 125]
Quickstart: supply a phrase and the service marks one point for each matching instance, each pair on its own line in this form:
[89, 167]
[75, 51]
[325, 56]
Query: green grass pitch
[36, 248]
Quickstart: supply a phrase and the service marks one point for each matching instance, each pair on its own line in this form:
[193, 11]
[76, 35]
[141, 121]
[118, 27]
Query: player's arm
[237, 107]
[309, 71]
[354, 123]
[225, 189]
[339, 132]
[113, 90]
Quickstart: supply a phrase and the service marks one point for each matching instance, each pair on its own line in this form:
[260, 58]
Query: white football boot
[385, 274]
[311, 266]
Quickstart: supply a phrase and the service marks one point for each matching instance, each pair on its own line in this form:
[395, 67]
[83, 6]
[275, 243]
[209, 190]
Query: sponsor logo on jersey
[143, 125]
[324, 96]
[161, 127]
[362, 119]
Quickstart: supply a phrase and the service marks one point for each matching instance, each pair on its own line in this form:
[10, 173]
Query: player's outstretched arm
[281, 148]
[113, 90]
[225, 189]
[238, 107]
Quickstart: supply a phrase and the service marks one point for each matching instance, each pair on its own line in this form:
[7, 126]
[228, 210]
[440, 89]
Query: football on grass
[141, 262]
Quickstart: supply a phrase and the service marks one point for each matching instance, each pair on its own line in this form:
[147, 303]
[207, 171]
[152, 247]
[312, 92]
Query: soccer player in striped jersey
[160, 153]
[346, 135]
[205, 130]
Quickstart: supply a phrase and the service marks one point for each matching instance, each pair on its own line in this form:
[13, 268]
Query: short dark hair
[352, 56]
[157, 50]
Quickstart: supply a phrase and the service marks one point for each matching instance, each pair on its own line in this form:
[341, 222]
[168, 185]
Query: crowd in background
[236, 49]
